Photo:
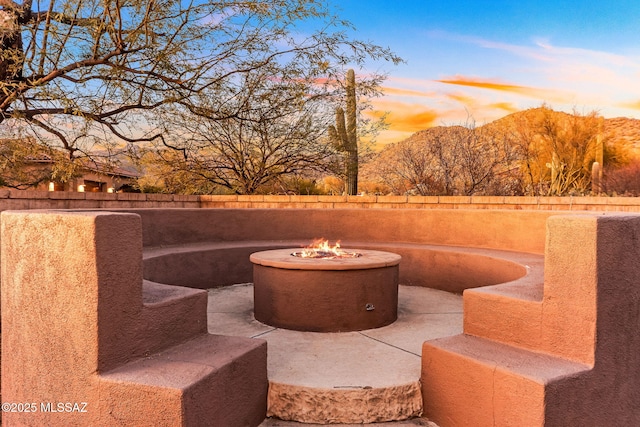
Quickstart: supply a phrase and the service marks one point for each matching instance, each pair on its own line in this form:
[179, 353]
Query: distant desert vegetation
[532, 152]
[619, 131]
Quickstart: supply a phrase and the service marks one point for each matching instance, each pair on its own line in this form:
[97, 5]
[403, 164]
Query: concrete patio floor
[376, 358]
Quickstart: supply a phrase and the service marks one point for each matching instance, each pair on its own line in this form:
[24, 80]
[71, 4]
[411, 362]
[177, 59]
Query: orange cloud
[631, 105]
[463, 99]
[475, 104]
[405, 92]
[464, 81]
[558, 96]
[405, 117]
[413, 122]
[505, 106]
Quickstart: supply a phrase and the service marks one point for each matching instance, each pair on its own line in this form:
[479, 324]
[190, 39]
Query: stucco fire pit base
[325, 295]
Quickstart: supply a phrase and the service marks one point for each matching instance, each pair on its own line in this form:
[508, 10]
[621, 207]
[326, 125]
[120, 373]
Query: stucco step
[209, 380]
[495, 384]
[171, 315]
[159, 294]
[509, 313]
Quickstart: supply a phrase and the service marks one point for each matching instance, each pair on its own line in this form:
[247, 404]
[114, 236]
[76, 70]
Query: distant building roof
[91, 165]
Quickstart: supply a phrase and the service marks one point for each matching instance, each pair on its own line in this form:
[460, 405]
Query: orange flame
[320, 248]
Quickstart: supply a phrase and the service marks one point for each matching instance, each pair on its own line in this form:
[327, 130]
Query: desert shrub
[624, 180]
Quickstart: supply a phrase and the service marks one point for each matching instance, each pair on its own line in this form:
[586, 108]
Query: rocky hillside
[622, 130]
[617, 131]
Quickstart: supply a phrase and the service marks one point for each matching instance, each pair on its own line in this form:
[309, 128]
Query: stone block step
[468, 380]
[211, 380]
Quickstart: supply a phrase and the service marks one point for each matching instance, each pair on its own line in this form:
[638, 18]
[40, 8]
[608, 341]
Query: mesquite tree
[79, 71]
[249, 152]
[344, 134]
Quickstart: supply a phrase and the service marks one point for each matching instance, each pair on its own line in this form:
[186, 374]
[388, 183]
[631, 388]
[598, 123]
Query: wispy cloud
[510, 77]
[409, 111]
[507, 107]
[631, 105]
[540, 50]
[592, 75]
[462, 98]
[495, 85]
[406, 92]
[518, 50]
[556, 53]
[465, 81]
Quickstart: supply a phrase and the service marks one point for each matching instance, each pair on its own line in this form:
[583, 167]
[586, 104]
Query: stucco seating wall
[82, 327]
[454, 269]
[214, 249]
[565, 353]
[551, 311]
[447, 250]
[541, 345]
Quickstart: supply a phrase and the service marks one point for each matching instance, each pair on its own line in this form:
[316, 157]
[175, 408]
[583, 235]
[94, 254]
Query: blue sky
[487, 59]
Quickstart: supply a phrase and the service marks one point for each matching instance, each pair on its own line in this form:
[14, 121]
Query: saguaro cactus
[344, 135]
[596, 178]
[596, 168]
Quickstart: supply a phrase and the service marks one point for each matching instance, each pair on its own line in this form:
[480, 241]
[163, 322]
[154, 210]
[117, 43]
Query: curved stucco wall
[522, 231]
[453, 270]
[450, 250]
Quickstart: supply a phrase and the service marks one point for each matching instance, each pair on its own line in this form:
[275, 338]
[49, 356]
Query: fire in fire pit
[321, 249]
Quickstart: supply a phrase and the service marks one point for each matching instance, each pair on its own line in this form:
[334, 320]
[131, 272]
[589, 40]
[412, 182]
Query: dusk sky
[487, 59]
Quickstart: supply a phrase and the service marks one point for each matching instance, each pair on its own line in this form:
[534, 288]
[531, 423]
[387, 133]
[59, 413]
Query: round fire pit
[325, 294]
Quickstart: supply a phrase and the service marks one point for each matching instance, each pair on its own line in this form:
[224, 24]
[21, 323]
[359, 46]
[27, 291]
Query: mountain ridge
[617, 130]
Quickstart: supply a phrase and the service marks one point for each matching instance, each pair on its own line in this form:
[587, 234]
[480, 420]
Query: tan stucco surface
[77, 330]
[556, 344]
[566, 354]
